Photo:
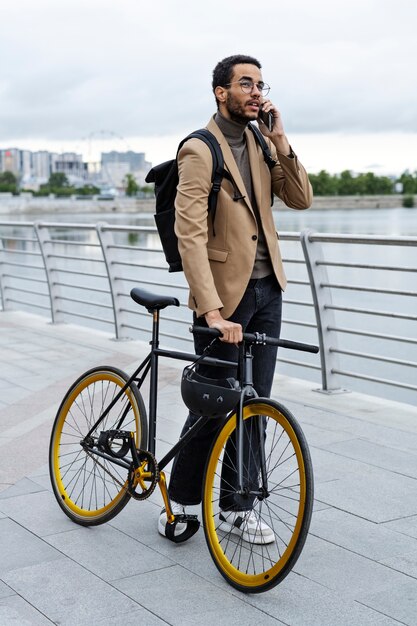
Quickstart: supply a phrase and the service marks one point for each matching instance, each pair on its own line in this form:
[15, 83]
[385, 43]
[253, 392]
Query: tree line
[349, 184]
[324, 184]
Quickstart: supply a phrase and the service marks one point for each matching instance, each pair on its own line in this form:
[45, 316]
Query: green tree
[131, 186]
[323, 183]
[58, 180]
[8, 182]
[346, 184]
[409, 182]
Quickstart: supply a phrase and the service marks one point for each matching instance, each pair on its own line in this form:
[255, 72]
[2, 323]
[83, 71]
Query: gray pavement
[359, 565]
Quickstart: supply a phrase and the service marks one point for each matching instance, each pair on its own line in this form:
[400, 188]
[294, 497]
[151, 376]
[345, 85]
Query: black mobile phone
[267, 119]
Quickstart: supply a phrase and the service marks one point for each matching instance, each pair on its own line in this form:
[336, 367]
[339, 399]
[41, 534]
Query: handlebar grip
[260, 338]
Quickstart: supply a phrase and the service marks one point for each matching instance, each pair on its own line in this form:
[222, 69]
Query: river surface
[397, 221]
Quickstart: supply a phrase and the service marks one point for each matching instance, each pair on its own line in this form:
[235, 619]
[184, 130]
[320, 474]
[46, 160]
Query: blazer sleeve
[195, 166]
[290, 181]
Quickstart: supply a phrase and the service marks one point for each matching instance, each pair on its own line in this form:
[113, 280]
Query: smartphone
[267, 119]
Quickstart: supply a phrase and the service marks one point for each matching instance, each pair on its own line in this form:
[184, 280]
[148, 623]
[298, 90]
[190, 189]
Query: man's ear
[220, 93]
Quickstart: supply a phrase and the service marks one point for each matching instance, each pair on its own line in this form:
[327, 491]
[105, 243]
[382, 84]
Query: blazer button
[254, 237]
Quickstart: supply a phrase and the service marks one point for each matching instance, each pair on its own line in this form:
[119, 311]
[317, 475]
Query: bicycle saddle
[152, 301]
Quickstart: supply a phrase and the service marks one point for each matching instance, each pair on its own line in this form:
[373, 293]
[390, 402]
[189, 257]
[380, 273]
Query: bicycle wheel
[90, 489]
[285, 507]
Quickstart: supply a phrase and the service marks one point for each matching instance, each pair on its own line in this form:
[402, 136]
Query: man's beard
[237, 111]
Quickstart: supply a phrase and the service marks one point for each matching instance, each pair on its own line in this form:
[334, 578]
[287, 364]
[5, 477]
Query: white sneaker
[246, 524]
[177, 509]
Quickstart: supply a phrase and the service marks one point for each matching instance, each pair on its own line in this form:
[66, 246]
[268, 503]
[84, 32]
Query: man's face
[239, 106]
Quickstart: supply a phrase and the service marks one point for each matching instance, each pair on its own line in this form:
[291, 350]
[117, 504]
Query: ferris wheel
[95, 144]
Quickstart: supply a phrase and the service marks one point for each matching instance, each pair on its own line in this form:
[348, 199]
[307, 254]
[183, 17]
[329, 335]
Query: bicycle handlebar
[260, 339]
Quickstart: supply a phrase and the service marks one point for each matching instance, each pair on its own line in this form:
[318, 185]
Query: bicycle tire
[88, 488]
[253, 567]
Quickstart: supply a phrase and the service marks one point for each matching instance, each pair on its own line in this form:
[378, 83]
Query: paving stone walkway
[359, 565]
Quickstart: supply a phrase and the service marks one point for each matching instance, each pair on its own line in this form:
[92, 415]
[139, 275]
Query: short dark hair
[222, 73]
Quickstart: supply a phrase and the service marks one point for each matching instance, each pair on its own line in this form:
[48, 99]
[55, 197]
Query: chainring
[145, 477]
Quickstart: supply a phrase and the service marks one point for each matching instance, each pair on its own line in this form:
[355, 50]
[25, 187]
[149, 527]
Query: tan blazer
[218, 266]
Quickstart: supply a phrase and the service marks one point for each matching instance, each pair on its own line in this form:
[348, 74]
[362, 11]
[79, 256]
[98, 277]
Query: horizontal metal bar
[382, 381]
[288, 236]
[294, 281]
[25, 252]
[22, 290]
[80, 301]
[66, 242]
[66, 226]
[142, 281]
[138, 328]
[285, 320]
[298, 261]
[376, 240]
[27, 265]
[32, 280]
[135, 248]
[74, 258]
[299, 363]
[401, 316]
[78, 273]
[84, 316]
[15, 238]
[391, 292]
[299, 302]
[26, 303]
[363, 333]
[128, 229]
[388, 268]
[164, 318]
[374, 357]
[23, 224]
[142, 265]
[95, 289]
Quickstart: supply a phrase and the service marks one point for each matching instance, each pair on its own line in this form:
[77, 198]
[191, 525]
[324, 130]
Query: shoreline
[19, 205]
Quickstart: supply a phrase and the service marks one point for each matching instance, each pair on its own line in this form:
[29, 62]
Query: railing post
[322, 297]
[45, 245]
[107, 241]
[3, 281]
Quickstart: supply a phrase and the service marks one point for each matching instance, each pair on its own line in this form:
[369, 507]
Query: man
[232, 261]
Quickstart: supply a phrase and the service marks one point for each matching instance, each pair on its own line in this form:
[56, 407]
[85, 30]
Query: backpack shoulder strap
[264, 146]
[218, 171]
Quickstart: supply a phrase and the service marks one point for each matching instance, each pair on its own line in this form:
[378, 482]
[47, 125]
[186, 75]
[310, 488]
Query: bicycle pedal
[192, 527]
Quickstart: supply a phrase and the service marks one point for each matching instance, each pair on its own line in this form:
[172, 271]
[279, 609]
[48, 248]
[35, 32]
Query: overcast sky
[343, 74]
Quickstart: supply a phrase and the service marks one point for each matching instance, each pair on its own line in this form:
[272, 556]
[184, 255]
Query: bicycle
[102, 453]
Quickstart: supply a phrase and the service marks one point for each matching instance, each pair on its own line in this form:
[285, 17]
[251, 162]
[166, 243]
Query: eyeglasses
[248, 85]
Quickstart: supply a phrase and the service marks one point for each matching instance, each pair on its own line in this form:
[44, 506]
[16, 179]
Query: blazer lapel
[229, 161]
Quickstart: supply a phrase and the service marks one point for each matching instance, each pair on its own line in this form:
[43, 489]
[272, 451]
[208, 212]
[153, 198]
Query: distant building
[10, 161]
[115, 166]
[72, 165]
[41, 165]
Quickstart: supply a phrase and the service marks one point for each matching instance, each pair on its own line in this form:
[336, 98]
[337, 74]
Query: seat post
[153, 384]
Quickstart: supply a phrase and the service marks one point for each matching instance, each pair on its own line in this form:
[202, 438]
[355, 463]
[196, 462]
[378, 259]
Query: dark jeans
[259, 310]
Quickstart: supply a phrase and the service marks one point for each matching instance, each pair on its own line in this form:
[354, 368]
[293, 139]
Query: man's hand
[277, 134]
[231, 332]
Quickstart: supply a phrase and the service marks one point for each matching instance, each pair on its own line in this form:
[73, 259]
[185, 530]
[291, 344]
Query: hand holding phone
[267, 119]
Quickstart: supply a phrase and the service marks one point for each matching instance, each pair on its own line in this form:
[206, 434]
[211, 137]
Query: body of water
[398, 221]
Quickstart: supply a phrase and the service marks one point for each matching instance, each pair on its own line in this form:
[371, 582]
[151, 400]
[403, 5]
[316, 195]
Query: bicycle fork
[245, 458]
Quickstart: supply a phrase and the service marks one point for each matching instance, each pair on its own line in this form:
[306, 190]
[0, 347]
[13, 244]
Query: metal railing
[355, 295]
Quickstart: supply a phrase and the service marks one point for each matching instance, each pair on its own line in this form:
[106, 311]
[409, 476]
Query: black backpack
[165, 177]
